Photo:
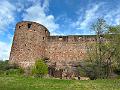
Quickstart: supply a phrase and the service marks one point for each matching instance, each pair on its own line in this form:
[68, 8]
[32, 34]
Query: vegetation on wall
[40, 68]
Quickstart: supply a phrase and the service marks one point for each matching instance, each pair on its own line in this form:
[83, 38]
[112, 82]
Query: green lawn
[29, 83]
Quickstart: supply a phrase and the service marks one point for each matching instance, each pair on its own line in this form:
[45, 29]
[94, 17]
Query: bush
[28, 71]
[8, 69]
[12, 72]
[1, 72]
[12, 66]
[91, 69]
[3, 65]
[81, 71]
[40, 68]
[18, 71]
[117, 70]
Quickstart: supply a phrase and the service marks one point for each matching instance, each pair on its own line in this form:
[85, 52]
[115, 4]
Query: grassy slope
[22, 83]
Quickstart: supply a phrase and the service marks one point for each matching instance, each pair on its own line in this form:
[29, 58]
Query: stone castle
[32, 41]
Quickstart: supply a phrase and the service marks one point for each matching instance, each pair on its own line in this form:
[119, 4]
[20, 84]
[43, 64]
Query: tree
[40, 68]
[103, 55]
[100, 28]
[107, 47]
[113, 35]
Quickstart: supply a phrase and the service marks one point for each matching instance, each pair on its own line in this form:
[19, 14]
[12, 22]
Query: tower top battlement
[22, 23]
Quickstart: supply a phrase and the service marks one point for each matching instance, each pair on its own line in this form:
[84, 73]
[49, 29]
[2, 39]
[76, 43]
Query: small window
[45, 31]
[60, 38]
[43, 38]
[29, 25]
[80, 37]
[19, 26]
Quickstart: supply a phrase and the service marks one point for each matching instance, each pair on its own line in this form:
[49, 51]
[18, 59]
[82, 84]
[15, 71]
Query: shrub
[28, 71]
[12, 72]
[91, 69]
[12, 66]
[1, 72]
[18, 71]
[117, 70]
[8, 69]
[3, 65]
[81, 71]
[40, 68]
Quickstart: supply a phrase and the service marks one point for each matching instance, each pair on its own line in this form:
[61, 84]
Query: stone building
[32, 41]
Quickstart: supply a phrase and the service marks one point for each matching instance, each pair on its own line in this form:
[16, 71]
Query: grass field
[29, 83]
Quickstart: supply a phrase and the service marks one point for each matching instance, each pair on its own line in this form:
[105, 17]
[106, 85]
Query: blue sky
[61, 17]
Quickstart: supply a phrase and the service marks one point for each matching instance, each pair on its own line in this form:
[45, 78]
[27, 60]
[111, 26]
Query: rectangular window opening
[43, 38]
[60, 37]
[29, 25]
[19, 26]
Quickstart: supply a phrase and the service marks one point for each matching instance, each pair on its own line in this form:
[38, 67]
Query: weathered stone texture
[33, 40]
[28, 43]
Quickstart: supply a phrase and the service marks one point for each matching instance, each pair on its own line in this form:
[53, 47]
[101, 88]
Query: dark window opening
[45, 31]
[43, 38]
[19, 26]
[60, 37]
[80, 37]
[29, 25]
[25, 44]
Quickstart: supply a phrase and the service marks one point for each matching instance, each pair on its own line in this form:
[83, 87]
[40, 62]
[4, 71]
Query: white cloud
[7, 11]
[5, 47]
[113, 17]
[45, 5]
[4, 50]
[90, 15]
[6, 15]
[38, 14]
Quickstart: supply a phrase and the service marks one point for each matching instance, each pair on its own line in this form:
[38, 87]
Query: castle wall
[65, 50]
[32, 41]
[28, 44]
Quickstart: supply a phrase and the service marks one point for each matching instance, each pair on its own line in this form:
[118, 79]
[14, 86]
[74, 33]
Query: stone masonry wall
[33, 40]
[28, 43]
[65, 50]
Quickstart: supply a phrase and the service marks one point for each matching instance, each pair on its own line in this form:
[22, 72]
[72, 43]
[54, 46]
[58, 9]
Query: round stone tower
[28, 44]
